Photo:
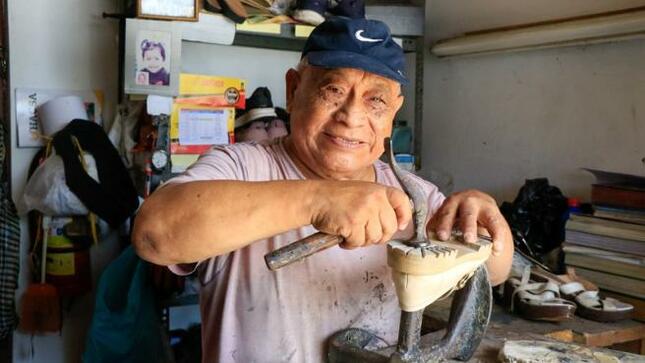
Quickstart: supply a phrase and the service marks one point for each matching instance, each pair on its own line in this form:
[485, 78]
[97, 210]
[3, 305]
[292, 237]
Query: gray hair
[302, 65]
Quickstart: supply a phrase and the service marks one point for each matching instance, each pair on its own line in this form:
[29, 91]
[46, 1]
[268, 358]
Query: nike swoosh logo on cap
[359, 36]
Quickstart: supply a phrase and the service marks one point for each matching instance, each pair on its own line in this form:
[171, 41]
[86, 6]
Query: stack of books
[608, 247]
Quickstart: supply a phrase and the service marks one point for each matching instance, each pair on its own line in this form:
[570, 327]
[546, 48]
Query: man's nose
[351, 112]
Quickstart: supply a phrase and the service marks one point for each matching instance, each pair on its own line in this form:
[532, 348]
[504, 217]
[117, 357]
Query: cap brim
[345, 59]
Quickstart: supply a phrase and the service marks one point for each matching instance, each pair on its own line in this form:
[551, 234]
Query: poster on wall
[152, 57]
[28, 101]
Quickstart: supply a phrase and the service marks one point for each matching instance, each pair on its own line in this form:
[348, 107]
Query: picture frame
[152, 57]
[185, 10]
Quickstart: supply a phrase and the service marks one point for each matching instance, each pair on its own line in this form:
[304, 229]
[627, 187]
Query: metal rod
[409, 336]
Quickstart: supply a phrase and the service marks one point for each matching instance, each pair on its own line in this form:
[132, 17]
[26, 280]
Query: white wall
[493, 121]
[59, 45]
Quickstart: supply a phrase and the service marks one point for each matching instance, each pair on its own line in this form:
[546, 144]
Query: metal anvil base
[469, 316]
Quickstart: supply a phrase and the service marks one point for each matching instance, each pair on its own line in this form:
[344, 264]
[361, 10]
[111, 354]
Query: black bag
[537, 217]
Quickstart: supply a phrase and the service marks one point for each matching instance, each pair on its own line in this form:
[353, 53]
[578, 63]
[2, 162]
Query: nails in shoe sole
[423, 274]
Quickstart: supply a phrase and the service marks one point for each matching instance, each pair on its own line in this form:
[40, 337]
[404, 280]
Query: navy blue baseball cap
[356, 43]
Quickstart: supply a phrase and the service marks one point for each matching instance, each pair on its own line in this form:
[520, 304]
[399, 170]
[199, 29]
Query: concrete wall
[60, 45]
[493, 121]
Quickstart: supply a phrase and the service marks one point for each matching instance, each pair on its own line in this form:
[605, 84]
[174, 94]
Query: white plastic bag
[47, 191]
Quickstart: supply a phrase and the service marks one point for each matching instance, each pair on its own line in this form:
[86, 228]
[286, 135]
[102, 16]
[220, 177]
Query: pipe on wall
[602, 28]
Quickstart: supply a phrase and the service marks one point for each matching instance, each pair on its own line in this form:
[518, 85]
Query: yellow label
[60, 264]
[59, 242]
[199, 84]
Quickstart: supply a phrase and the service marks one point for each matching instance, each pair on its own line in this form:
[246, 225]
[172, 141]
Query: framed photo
[187, 10]
[152, 57]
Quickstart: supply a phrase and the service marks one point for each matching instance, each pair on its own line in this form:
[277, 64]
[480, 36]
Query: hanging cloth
[9, 248]
[114, 199]
[126, 324]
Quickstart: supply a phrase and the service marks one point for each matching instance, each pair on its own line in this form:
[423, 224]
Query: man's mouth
[344, 142]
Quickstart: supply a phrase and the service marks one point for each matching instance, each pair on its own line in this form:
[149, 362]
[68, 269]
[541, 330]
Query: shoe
[354, 9]
[537, 298]
[310, 11]
[212, 6]
[423, 275]
[591, 305]
[232, 9]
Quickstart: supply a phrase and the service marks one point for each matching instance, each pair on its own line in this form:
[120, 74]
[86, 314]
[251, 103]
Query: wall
[59, 45]
[493, 121]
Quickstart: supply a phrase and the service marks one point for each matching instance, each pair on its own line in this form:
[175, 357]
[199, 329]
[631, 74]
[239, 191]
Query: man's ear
[399, 102]
[292, 79]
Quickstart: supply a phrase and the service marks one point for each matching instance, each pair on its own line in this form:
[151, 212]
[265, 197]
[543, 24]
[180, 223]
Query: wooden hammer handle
[298, 250]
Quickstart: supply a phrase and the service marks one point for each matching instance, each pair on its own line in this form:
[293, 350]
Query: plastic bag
[47, 192]
[537, 217]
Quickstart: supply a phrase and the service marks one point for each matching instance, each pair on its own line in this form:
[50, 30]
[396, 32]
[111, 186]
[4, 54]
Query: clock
[159, 160]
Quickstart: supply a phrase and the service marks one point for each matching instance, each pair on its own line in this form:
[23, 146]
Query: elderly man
[239, 202]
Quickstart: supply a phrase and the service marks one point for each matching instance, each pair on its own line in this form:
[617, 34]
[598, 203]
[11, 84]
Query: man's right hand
[362, 213]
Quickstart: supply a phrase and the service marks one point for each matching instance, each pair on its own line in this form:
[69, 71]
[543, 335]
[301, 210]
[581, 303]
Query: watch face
[159, 159]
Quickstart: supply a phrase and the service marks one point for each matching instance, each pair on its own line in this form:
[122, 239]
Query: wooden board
[506, 326]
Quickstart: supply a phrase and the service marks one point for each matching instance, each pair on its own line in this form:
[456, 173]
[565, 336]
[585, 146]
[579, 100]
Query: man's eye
[334, 89]
[377, 100]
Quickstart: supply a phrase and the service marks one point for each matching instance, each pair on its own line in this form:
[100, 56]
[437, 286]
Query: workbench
[627, 335]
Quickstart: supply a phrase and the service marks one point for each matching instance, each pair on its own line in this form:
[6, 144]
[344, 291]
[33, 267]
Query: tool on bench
[423, 269]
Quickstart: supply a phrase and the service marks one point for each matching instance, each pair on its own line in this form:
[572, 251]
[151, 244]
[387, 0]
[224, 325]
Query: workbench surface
[627, 334]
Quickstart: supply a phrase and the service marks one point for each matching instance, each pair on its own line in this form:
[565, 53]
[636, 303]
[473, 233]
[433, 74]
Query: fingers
[401, 205]
[355, 239]
[493, 221]
[389, 224]
[468, 214]
[373, 232]
[444, 219]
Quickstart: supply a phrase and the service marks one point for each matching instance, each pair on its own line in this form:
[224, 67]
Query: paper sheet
[203, 127]
[158, 105]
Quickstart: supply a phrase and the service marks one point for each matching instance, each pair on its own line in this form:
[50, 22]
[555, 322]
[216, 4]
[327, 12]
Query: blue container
[402, 138]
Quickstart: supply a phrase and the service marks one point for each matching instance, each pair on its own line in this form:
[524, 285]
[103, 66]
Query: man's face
[340, 117]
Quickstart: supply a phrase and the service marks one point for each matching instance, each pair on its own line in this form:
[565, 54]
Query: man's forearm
[193, 221]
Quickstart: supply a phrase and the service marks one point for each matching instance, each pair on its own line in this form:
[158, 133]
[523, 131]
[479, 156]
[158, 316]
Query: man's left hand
[472, 211]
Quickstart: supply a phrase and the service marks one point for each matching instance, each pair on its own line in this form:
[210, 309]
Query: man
[239, 202]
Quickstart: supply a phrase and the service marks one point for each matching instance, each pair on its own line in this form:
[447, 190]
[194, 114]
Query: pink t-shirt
[250, 314]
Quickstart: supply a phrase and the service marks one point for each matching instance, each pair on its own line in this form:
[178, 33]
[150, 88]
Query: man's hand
[362, 213]
[476, 212]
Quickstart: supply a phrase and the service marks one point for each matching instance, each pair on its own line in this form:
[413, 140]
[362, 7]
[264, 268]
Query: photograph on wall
[153, 61]
[153, 51]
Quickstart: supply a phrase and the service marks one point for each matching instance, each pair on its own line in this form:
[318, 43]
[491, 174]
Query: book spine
[605, 243]
[617, 197]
